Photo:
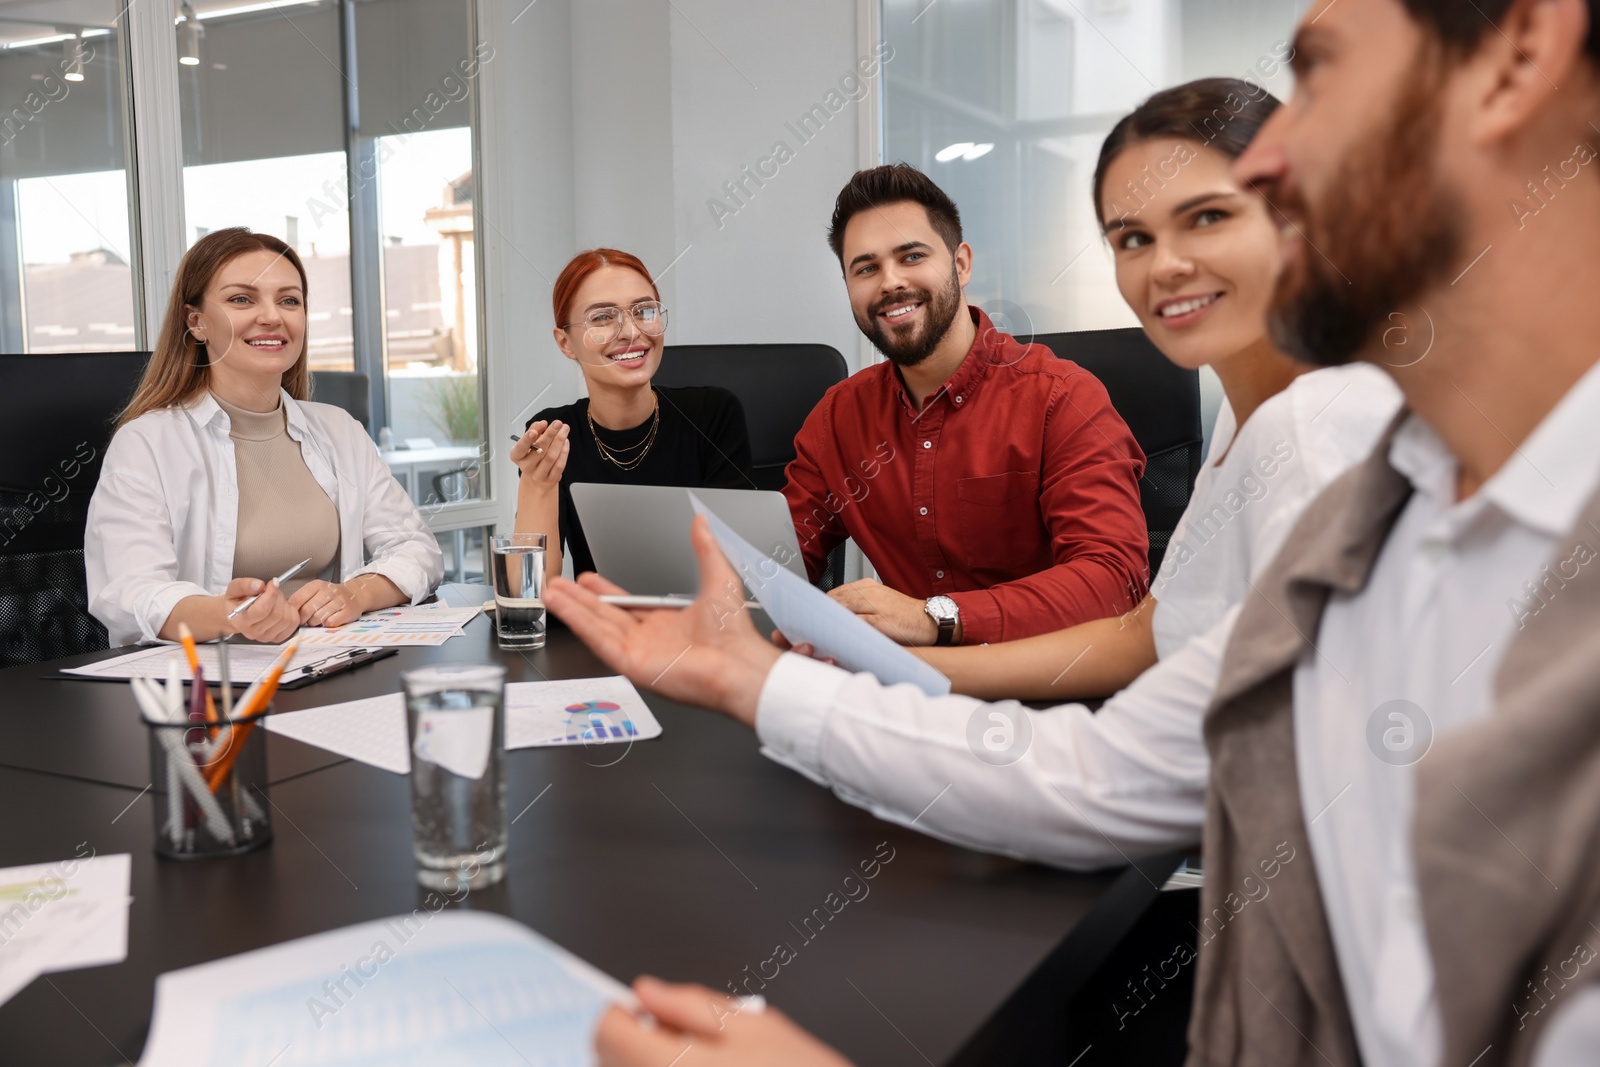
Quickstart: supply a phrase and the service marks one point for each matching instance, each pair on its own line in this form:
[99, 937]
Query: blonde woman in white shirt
[222, 475]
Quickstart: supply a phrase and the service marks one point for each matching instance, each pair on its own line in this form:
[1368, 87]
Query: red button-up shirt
[1014, 491]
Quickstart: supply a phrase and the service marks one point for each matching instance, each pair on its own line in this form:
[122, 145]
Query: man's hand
[699, 1027]
[901, 617]
[707, 654]
[269, 620]
[321, 603]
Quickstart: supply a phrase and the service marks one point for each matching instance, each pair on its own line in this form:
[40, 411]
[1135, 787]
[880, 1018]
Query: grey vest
[1506, 835]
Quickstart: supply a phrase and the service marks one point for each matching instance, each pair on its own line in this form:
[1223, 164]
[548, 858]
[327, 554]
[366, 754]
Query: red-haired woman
[222, 475]
[610, 322]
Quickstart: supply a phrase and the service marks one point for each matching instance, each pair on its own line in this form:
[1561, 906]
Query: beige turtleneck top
[284, 515]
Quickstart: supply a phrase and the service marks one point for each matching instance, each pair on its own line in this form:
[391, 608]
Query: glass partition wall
[1005, 104]
[66, 284]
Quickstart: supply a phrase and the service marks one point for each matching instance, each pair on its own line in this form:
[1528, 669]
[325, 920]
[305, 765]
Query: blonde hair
[178, 370]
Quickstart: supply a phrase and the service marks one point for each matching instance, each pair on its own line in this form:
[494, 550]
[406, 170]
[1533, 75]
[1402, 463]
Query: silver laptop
[639, 534]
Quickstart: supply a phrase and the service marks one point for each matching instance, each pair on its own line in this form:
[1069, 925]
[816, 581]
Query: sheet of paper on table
[806, 615]
[571, 711]
[246, 663]
[61, 916]
[430, 987]
[418, 624]
[422, 624]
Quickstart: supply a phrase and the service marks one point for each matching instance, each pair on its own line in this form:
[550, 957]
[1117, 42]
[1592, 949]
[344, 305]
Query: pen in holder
[208, 770]
[210, 787]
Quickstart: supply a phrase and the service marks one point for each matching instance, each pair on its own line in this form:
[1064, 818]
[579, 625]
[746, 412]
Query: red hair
[584, 264]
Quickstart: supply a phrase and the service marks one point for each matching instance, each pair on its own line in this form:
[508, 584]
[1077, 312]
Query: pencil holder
[210, 784]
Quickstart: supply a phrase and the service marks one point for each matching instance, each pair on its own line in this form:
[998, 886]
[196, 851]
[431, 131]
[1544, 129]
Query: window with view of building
[66, 284]
[376, 196]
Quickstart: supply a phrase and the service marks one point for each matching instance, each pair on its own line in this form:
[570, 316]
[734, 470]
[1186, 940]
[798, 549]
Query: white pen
[279, 580]
[672, 600]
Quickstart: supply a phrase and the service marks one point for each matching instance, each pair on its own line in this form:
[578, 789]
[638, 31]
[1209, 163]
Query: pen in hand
[279, 580]
[517, 437]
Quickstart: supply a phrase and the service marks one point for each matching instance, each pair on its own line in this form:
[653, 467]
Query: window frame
[154, 165]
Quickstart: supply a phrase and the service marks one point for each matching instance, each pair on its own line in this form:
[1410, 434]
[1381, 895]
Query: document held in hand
[806, 615]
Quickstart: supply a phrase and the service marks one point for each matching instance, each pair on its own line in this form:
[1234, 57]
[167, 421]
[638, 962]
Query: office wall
[665, 102]
[525, 212]
[746, 77]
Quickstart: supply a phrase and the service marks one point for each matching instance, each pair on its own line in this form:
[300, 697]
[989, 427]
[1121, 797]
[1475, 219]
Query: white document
[409, 624]
[427, 988]
[572, 711]
[246, 663]
[371, 730]
[61, 916]
[459, 740]
[806, 615]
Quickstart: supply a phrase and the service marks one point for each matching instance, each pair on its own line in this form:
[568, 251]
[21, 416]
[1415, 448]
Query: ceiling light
[189, 33]
[72, 69]
[946, 154]
[978, 151]
[35, 42]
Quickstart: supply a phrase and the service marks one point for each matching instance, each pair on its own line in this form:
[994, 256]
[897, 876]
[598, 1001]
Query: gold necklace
[616, 456]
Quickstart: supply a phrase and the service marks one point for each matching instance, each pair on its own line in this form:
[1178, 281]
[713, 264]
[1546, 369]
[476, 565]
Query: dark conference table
[688, 856]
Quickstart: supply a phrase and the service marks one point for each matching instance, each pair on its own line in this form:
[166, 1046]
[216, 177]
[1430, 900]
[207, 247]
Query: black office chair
[56, 411]
[344, 389]
[778, 385]
[1160, 402]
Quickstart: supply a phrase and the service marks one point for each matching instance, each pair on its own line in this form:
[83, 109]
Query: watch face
[942, 607]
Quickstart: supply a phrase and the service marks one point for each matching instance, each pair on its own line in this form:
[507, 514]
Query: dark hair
[1220, 113]
[1462, 26]
[896, 183]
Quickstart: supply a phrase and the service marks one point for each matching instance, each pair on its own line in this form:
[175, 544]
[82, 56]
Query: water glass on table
[455, 723]
[519, 590]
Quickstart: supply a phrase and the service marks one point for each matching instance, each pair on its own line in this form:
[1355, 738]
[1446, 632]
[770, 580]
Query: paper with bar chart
[413, 624]
[574, 711]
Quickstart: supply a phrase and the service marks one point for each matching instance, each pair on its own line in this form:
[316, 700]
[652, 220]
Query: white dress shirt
[1254, 485]
[1088, 788]
[1091, 790]
[1445, 599]
[164, 516]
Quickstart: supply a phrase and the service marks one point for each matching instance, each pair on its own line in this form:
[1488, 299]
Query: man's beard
[940, 312]
[1386, 230]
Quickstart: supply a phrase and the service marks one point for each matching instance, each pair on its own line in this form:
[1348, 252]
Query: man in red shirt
[991, 484]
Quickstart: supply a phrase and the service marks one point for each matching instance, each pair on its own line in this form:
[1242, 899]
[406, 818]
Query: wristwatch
[943, 610]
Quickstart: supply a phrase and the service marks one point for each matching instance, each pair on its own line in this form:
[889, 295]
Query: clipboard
[338, 663]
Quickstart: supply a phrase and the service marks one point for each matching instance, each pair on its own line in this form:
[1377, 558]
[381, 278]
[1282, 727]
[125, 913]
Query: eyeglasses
[604, 324]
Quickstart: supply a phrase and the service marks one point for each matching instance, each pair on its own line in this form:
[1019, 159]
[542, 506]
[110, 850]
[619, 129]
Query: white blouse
[1246, 501]
[163, 520]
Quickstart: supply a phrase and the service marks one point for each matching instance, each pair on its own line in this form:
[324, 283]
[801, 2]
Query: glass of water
[519, 590]
[455, 721]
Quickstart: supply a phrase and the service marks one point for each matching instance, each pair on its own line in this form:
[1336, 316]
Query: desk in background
[689, 857]
[409, 463]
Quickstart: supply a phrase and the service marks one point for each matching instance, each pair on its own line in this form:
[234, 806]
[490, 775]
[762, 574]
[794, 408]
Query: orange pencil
[192, 654]
[258, 696]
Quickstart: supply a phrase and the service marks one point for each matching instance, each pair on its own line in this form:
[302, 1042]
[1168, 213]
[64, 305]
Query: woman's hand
[541, 454]
[699, 1027]
[320, 603]
[270, 620]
